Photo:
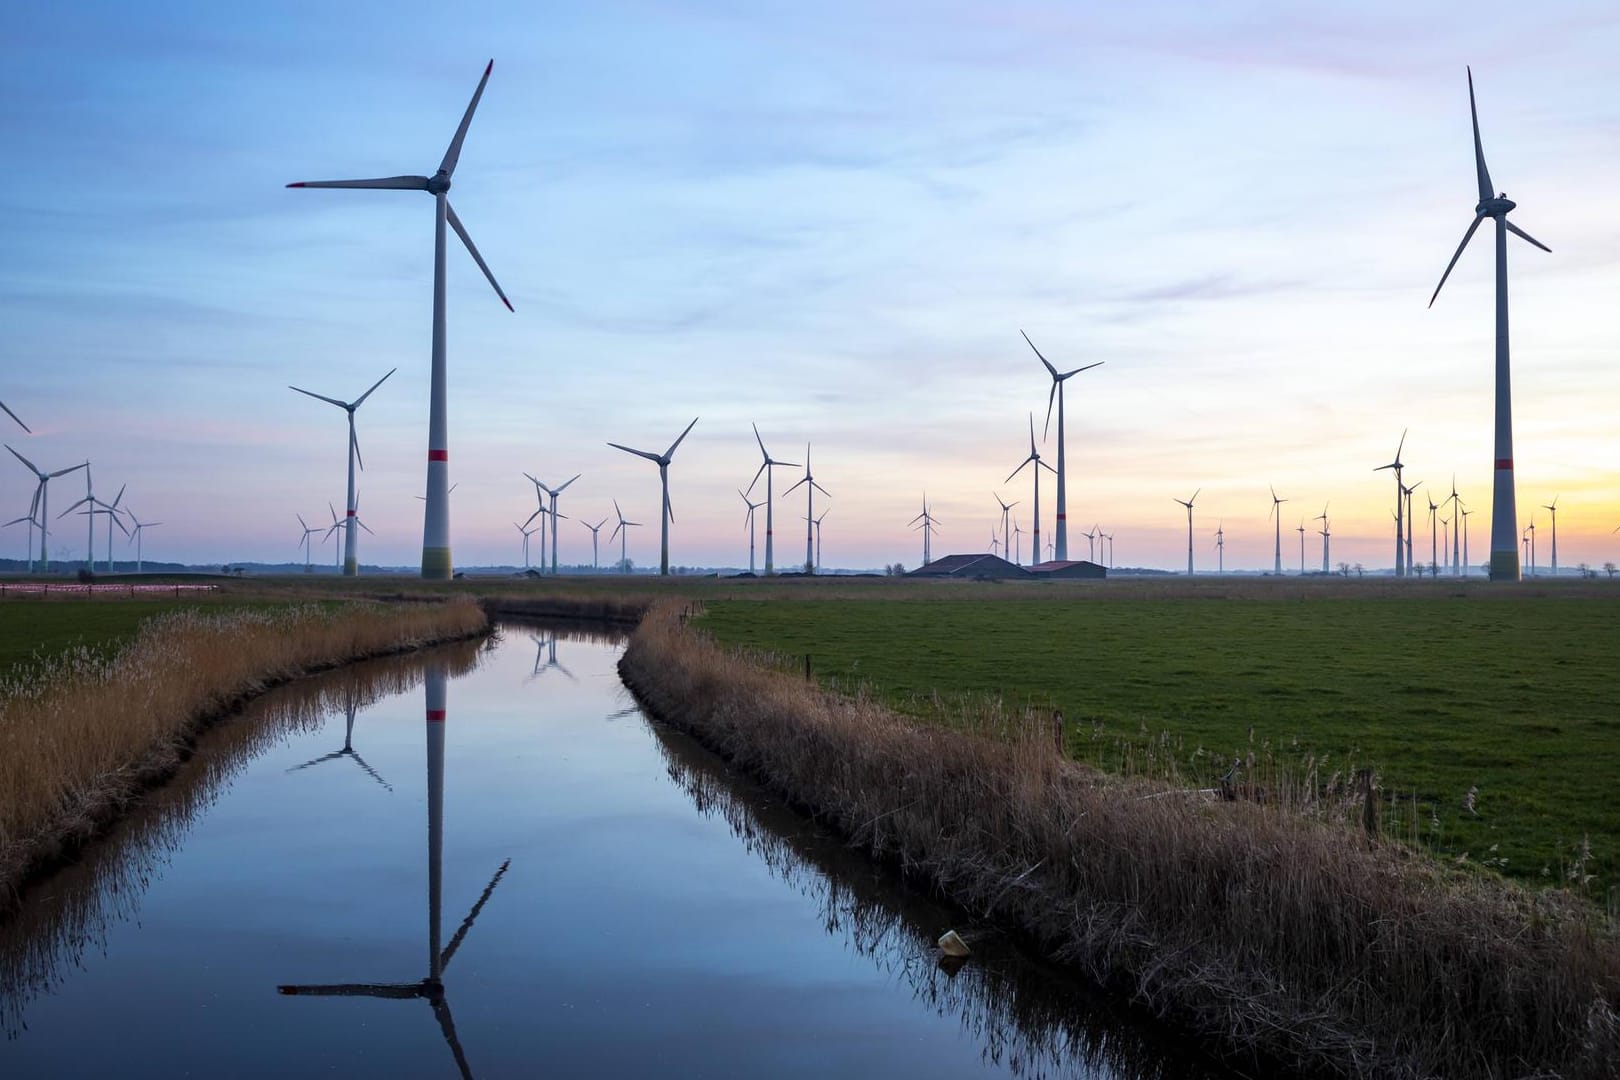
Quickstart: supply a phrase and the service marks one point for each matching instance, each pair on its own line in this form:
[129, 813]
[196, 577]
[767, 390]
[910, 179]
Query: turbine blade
[757, 475]
[374, 386]
[1044, 360]
[1467, 236]
[1486, 191]
[461, 231]
[800, 481]
[821, 489]
[1522, 235]
[628, 450]
[564, 487]
[363, 525]
[1051, 395]
[453, 154]
[323, 397]
[17, 418]
[354, 444]
[1078, 370]
[392, 183]
[31, 465]
[671, 451]
[301, 521]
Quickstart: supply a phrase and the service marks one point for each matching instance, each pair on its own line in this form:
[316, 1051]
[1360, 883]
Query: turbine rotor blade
[1051, 395]
[1522, 235]
[354, 444]
[755, 480]
[1467, 236]
[17, 418]
[1044, 360]
[671, 451]
[391, 183]
[322, 397]
[453, 154]
[461, 231]
[626, 449]
[374, 386]
[31, 465]
[1485, 188]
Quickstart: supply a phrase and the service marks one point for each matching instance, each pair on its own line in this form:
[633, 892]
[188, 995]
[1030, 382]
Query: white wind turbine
[748, 523]
[928, 524]
[622, 530]
[1006, 514]
[816, 521]
[1456, 501]
[541, 513]
[351, 565]
[341, 523]
[1494, 205]
[811, 486]
[1091, 542]
[1326, 533]
[135, 534]
[1188, 503]
[526, 533]
[28, 544]
[1018, 543]
[539, 487]
[1553, 506]
[1035, 459]
[1058, 378]
[1276, 513]
[1400, 495]
[667, 515]
[595, 530]
[1220, 548]
[436, 561]
[90, 521]
[40, 506]
[304, 540]
[765, 467]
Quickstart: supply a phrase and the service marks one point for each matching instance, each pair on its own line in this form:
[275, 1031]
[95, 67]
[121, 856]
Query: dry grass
[1282, 937]
[616, 609]
[83, 735]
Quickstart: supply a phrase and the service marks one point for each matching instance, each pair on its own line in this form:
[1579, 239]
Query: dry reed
[1278, 936]
[81, 735]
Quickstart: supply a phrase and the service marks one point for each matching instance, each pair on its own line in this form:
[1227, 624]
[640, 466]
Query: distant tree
[1344, 569]
[1585, 571]
[895, 570]
[1359, 570]
[1608, 568]
[625, 566]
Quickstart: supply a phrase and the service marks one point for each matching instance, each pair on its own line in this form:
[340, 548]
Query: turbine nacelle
[438, 183]
[1495, 207]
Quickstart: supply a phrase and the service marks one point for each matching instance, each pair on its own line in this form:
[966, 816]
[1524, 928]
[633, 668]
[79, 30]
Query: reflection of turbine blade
[466, 924]
[633, 710]
[379, 990]
[564, 670]
[317, 761]
[441, 1012]
[360, 761]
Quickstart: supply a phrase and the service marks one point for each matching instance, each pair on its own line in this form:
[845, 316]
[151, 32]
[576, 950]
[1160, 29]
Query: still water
[483, 861]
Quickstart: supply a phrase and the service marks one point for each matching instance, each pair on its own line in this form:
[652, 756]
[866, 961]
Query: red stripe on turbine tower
[351, 513]
[1504, 463]
[435, 716]
[438, 455]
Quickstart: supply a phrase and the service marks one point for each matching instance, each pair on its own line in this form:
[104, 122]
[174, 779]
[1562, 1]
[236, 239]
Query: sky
[833, 221]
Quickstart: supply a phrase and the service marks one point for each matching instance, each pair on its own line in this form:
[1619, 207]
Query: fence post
[806, 667]
[1369, 807]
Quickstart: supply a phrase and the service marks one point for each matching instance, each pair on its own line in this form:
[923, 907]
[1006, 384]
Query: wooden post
[806, 667]
[1369, 804]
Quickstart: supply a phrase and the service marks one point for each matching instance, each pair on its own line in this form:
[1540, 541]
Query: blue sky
[832, 221]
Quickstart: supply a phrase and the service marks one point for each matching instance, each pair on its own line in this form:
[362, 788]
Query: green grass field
[1513, 695]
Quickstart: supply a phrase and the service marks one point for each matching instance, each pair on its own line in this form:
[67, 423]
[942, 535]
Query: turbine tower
[1220, 548]
[304, 540]
[351, 566]
[1553, 506]
[1496, 205]
[436, 562]
[1400, 493]
[810, 489]
[1188, 503]
[1301, 547]
[1411, 526]
[526, 534]
[40, 507]
[928, 525]
[1324, 530]
[1456, 517]
[1276, 513]
[766, 467]
[1035, 459]
[667, 515]
[1062, 491]
[816, 521]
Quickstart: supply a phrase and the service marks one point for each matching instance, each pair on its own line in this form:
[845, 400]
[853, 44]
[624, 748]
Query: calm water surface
[485, 862]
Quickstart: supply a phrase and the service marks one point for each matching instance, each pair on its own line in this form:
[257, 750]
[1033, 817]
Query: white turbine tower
[1495, 205]
[40, 507]
[1188, 503]
[765, 467]
[1035, 458]
[1276, 513]
[436, 561]
[928, 523]
[595, 530]
[90, 521]
[351, 565]
[810, 489]
[340, 523]
[748, 523]
[668, 514]
[622, 530]
[1058, 379]
[1220, 548]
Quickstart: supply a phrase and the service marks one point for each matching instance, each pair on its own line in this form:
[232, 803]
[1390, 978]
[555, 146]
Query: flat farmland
[1511, 697]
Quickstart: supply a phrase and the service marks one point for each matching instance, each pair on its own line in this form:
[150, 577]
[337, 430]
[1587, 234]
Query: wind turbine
[595, 529]
[765, 467]
[40, 507]
[431, 988]
[90, 521]
[1324, 530]
[927, 526]
[545, 658]
[1035, 459]
[1276, 513]
[1524, 538]
[1188, 503]
[748, 523]
[1445, 540]
[555, 517]
[1495, 205]
[1006, 515]
[340, 523]
[1434, 551]
[17, 418]
[304, 540]
[1400, 493]
[1455, 517]
[1057, 390]
[817, 523]
[1110, 538]
[668, 514]
[1018, 540]
[136, 534]
[1532, 544]
[28, 545]
[810, 489]
[1553, 506]
[1220, 548]
[1411, 526]
[526, 534]
[541, 513]
[622, 527]
[436, 562]
[1091, 542]
[1465, 512]
[995, 542]
[351, 566]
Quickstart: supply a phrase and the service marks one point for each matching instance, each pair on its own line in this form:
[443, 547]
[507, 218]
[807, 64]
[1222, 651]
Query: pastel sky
[832, 219]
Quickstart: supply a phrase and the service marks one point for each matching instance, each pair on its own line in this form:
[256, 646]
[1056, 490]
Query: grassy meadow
[1442, 691]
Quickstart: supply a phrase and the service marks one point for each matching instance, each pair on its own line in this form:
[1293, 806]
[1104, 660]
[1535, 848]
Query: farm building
[982, 567]
[1074, 568]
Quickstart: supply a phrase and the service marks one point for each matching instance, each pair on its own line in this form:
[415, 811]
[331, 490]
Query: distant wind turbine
[668, 514]
[436, 561]
[1033, 459]
[811, 486]
[1301, 547]
[1496, 205]
[927, 523]
[816, 521]
[770, 524]
[554, 492]
[303, 540]
[1553, 506]
[1455, 518]
[1326, 533]
[595, 530]
[748, 523]
[1400, 495]
[1018, 541]
[1188, 503]
[1006, 516]
[40, 506]
[526, 534]
[1091, 543]
[622, 531]
[1220, 548]
[1058, 380]
[351, 565]
[1276, 513]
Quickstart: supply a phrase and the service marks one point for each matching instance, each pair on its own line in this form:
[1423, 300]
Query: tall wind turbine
[928, 524]
[1220, 548]
[770, 525]
[667, 515]
[1553, 506]
[436, 562]
[595, 531]
[622, 531]
[1400, 494]
[748, 523]
[811, 486]
[90, 535]
[1006, 516]
[1091, 542]
[1496, 205]
[1276, 513]
[1034, 459]
[1018, 541]
[1058, 380]
[1326, 533]
[1188, 503]
[351, 566]
[15, 417]
[40, 507]
[554, 517]
[542, 514]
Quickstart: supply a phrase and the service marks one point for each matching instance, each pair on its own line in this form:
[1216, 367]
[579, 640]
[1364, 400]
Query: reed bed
[617, 609]
[1283, 938]
[82, 734]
